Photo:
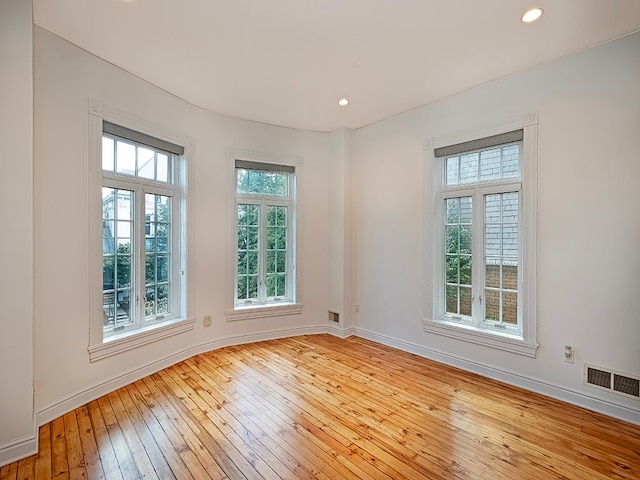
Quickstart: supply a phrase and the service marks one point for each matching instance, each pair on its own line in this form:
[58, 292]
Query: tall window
[480, 246]
[265, 214]
[142, 227]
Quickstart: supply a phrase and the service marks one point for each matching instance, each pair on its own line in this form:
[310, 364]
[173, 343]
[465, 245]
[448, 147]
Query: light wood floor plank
[318, 407]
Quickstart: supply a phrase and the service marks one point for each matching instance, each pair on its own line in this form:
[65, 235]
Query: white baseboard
[19, 448]
[512, 378]
[341, 332]
[84, 396]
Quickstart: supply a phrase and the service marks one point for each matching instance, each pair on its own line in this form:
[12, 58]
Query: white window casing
[520, 337]
[262, 305]
[108, 121]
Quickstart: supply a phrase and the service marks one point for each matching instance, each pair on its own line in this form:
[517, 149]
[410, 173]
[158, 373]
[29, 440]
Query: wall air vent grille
[627, 385]
[612, 381]
[599, 378]
[334, 317]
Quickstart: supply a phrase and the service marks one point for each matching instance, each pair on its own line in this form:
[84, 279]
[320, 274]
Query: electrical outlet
[569, 354]
[207, 320]
[357, 308]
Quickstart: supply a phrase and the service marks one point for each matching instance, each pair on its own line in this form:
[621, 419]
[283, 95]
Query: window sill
[123, 342]
[262, 311]
[489, 338]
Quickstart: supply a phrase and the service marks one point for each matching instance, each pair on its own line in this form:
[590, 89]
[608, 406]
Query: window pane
[511, 161]
[510, 307]
[162, 167]
[242, 263]
[123, 307]
[453, 265]
[451, 299]
[465, 270]
[124, 207]
[453, 239]
[107, 154]
[123, 266]
[492, 304]
[465, 301]
[452, 171]
[157, 271]
[254, 184]
[281, 285]
[492, 240]
[125, 158]
[465, 239]
[242, 287]
[242, 180]
[469, 167]
[466, 210]
[108, 237]
[492, 272]
[458, 259]
[162, 265]
[252, 286]
[252, 263]
[150, 301]
[109, 309]
[510, 275]
[150, 269]
[269, 186]
[501, 257]
[282, 184]
[117, 231]
[453, 210]
[146, 163]
[271, 285]
[490, 164]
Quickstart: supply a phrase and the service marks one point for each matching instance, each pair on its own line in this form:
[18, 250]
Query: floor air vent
[613, 381]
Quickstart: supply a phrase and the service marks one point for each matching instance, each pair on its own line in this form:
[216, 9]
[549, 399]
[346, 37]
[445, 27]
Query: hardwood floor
[320, 407]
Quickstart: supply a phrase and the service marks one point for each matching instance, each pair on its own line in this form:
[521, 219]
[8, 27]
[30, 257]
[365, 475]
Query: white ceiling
[288, 62]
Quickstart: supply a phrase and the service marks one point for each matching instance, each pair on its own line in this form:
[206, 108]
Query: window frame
[103, 345]
[292, 305]
[522, 340]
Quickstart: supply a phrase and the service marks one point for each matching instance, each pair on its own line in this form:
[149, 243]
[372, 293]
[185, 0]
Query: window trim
[100, 346]
[433, 322]
[269, 161]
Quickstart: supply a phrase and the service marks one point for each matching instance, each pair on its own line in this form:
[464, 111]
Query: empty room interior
[320, 239]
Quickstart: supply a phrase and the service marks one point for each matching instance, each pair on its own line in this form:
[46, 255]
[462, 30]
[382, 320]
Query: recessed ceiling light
[343, 101]
[532, 15]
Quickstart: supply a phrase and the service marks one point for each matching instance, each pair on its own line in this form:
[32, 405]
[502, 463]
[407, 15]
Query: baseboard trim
[19, 448]
[544, 388]
[82, 397]
[341, 332]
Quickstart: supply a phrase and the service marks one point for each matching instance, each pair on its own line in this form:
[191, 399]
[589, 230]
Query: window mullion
[139, 254]
[262, 253]
[477, 251]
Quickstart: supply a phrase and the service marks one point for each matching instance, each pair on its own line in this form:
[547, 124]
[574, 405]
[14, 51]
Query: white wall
[588, 231]
[16, 218]
[340, 239]
[65, 77]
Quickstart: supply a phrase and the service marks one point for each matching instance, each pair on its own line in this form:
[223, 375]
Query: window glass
[138, 251]
[264, 252]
